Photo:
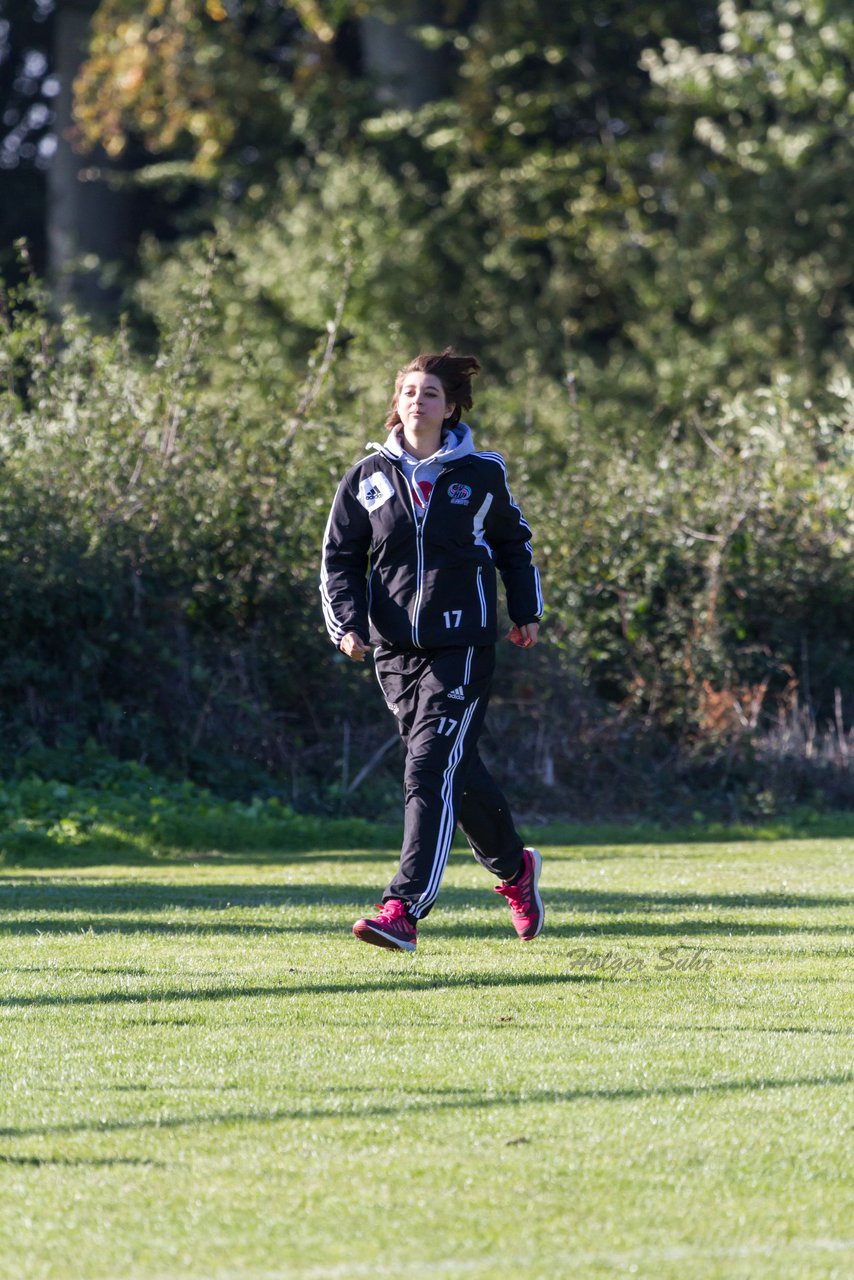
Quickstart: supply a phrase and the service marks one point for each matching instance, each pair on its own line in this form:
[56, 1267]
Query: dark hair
[455, 374]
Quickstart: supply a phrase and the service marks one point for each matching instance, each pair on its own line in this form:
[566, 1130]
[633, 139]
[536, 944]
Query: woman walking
[416, 532]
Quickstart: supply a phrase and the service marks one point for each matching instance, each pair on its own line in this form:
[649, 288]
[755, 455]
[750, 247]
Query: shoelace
[389, 911]
[515, 895]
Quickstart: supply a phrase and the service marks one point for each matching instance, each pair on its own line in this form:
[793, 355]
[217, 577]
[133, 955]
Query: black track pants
[440, 697]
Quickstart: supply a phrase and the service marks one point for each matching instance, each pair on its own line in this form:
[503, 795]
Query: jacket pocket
[481, 596]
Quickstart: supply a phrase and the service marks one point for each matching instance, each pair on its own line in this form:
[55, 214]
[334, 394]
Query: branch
[707, 439]
[372, 763]
[333, 326]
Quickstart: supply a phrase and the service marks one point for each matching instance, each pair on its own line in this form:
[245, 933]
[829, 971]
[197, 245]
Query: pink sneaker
[526, 905]
[391, 928]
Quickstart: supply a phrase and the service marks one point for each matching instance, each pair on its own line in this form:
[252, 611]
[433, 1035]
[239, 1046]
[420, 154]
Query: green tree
[755, 177]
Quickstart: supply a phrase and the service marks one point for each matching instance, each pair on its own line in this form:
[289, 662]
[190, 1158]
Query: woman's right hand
[354, 647]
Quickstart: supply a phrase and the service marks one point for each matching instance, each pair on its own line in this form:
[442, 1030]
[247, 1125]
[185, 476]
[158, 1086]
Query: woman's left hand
[525, 637]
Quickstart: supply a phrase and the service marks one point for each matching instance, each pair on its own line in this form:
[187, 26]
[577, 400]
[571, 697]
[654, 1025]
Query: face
[421, 403]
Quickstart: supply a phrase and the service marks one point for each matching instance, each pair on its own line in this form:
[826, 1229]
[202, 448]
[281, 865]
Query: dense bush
[159, 548]
[161, 519]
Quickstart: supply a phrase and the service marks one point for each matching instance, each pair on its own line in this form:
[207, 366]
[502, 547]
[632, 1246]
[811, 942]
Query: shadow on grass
[61, 858]
[53, 1162]
[147, 846]
[116, 897]
[75, 906]
[433, 1101]
[579, 931]
[724, 1029]
[395, 982]
[832, 826]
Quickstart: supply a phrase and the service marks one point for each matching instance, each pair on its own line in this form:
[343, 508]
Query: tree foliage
[655, 194]
[757, 184]
[182, 77]
[638, 216]
[209, 89]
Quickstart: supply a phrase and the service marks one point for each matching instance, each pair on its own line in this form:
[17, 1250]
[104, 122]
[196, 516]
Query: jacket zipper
[419, 551]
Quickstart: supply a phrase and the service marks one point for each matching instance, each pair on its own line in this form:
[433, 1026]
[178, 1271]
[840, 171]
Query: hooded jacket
[428, 583]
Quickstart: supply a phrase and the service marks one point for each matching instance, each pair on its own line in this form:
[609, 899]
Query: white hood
[457, 443]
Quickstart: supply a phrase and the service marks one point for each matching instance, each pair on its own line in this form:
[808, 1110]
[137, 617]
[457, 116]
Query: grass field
[205, 1075]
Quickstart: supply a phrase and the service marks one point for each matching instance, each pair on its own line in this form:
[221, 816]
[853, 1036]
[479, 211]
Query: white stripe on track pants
[439, 697]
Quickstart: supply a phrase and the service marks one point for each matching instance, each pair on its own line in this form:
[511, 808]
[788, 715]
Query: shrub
[162, 513]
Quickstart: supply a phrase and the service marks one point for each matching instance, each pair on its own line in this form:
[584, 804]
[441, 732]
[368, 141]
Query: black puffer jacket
[431, 583]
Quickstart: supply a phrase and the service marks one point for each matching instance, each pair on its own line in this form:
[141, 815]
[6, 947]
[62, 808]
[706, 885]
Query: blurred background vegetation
[242, 215]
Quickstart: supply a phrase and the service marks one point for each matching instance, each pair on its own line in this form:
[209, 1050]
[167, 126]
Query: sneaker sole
[367, 933]
[538, 866]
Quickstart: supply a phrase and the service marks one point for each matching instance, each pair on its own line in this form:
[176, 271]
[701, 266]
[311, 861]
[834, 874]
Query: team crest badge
[460, 495]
